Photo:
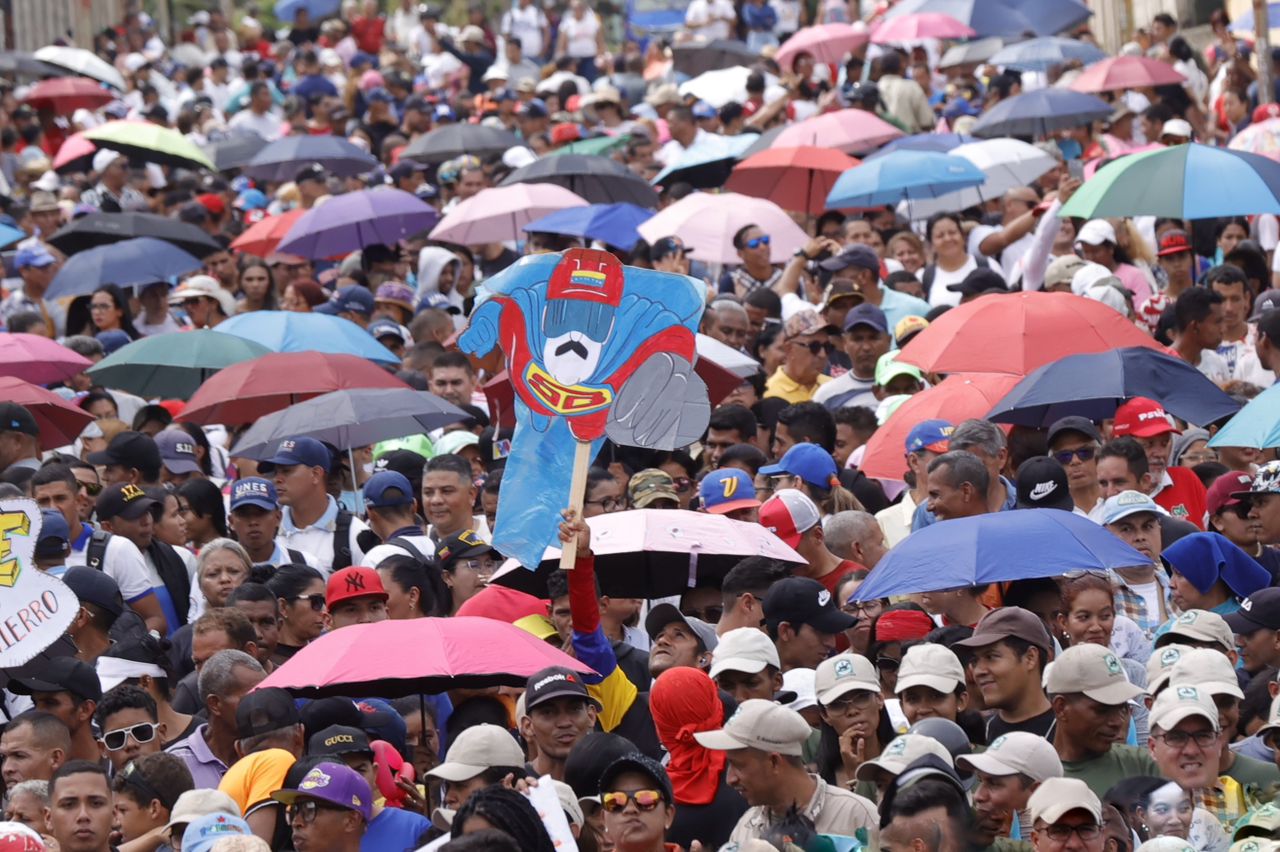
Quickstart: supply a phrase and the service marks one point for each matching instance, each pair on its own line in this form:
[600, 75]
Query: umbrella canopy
[707, 223]
[281, 160]
[1256, 425]
[1261, 137]
[903, 175]
[60, 422]
[244, 392]
[147, 141]
[353, 220]
[1184, 181]
[141, 260]
[38, 359]
[463, 652]
[826, 43]
[1018, 332]
[696, 58]
[1094, 385]
[648, 553]
[234, 151]
[612, 224]
[763, 141]
[1126, 72]
[996, 548]
[971, 52]
[501, 212]
[919, 26]
[454, 140]
[287, 10]
[942, 143]
[10, 234]
[68, 94]
[705, 165]
[599, 180]
[595, 146]
[98, 229]
[854, 131]
[262, 237]
[75, 155]
[19, 63]
[719, 86]
[173, 365]
[984, 17]
[1041, 54]
[958, 397]
[1040, 113]
[1244, 22]
[796, 179]
[349, 418]
[83, 62]
[1007, 163]
[287, 331]
[1054, 16]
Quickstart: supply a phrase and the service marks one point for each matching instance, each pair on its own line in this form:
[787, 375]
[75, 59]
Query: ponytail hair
[834, 498]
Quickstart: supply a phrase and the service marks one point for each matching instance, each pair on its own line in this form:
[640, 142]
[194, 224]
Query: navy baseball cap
[177, 451]
[18, 418]
[93, 586]
[254, 491]
[387, 327]
[354, 298]
[380, 95]
[931, 435]
[868, 315]
[55, 535]
[667, 246]
[381, 490]
[304, 451]
[535, 108]
[703, 110]
[855, 254]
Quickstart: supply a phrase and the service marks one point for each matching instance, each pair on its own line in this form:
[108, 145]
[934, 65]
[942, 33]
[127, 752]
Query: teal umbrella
[172, 365]
[1256, 425]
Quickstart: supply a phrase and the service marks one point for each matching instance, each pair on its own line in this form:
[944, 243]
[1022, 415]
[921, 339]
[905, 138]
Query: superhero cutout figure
[593, 349]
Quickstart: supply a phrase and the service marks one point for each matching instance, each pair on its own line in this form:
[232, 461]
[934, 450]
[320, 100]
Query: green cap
[888, 368]
[419, 444]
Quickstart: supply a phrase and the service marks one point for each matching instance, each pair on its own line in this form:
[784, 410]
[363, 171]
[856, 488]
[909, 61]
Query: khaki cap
[1165, 844]
[758, 724]
[1207, 668]
[1093, 670]
[1063, 269]
[1160, 665]
[476, 749]
[1177, 703]
[902, 751]
[744, 649]
[1200, 625]
[1017, 752]
[1057, 797]
[844, 673]
[931, 665]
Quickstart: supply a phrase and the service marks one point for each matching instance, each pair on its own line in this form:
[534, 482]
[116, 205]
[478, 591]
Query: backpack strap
[342, 541]
[295, 556]
[96, 551]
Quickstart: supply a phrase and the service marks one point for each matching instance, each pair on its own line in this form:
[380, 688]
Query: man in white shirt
[710, 19]
[255, 519]
[1197, 320]
[260, 116]
[685, 134]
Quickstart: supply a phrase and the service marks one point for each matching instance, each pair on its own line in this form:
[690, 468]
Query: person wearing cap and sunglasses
[806, 342]
[1074, 443]
[329, 810]
[638, 803]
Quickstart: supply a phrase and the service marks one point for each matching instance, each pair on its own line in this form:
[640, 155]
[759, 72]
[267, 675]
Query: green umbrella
[150, 142]
[599, 145]
[173, 365]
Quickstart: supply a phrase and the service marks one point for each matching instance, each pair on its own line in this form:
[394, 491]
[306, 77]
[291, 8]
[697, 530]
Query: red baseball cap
[212, 202]
[1219, 496]
[1142, 418]
[1174, 242]
[789, 514]
[353, 582]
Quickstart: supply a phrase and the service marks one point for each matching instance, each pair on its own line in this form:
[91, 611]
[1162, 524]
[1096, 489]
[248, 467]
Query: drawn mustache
[572, 346]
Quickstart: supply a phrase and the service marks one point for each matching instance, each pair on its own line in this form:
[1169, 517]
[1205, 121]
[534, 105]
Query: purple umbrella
[354, 220]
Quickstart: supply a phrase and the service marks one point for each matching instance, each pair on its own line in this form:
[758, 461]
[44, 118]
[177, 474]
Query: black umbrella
[454, 140]
[282, 159]
[764, 140]
[599, 180]
[695, 59]
[19, 63]
[234, 151]
[98, 229]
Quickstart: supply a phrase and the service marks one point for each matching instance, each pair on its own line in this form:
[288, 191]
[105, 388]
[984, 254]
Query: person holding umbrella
[112, 193]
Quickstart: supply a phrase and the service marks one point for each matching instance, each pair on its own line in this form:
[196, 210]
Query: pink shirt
[1135, 282]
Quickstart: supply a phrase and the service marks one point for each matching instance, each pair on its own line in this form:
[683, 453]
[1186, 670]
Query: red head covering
[683, 702]
[900, 625]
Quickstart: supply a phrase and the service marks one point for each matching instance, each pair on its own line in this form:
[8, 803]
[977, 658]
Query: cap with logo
[744, 649]
[930, 435]
[338, 740]
[353, 582]
[386, 489]
[1199, 625]
[1160, 665]
[902, 751]
[1174, 242]
[177, 451]
[254, 491]
[1006, 622]
[124, 500]
[1042, 484]
[1259, 824]
[1057, 797]
[387, 327]
[264, 710]
[203, 833]
[1266, 480]
[1141, 418]
[354, 298]
[17, 418]
[334, 783]
[650, 485]
[868, 316]
[314, 171]
[856, 255]
[305, 451]
[476, 749]
[1208, 669]
[1225, 491]
[1017, 752]
[931, 665]
[761, 725]
[129, 449]
[789, 514]
[55, 535]
[552, 683]
[638, 763]
[841, 291]
[810, 462]
[1178, 702]
[663, 614]
[461, 545]
[842, 674]
[1062, 270]
[33, 255]
[727, 490]
[802, 600]
[199, 802]
[1259, 611]
[907, 328]
[1126, 503]
[60, 674]
[1093, 670]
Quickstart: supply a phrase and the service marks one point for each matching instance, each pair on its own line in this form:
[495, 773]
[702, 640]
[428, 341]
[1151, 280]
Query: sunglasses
[141, 733]
[646, 800]
[93, 489]
[317, 601]
[756, 242]
[1240, 510]
[1083, 453]
[887, 664]
[817, 347]
[709, 614]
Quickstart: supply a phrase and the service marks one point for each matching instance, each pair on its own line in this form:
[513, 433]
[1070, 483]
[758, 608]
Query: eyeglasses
[682, 484]
[756, 242]
[709, 614]
[480, 566]
[1083, 453]
[306, 811]
[864, 609]
[101, 306]
[887, 664]
[141, 733]
[851, 700]
[1062, 833]
[609, 504]
[1179, 739]
[646, 800]
[817, 347]
[781, 480]
[317, 601]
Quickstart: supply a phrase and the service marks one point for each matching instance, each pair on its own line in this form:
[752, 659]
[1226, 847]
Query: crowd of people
[767, 708]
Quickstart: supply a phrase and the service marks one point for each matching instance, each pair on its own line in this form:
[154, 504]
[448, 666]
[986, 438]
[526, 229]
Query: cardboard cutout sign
[593, 349]
[35, 608]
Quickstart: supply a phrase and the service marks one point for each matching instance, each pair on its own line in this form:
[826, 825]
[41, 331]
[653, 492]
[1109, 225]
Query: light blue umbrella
[706, 165]
[940, 142]
[1256, 425]
[1040, 54]
[613, 224]
[1244, 23]
[286, 10]
[141, 260]
[288, 331]
[10, 234]
[903, 175]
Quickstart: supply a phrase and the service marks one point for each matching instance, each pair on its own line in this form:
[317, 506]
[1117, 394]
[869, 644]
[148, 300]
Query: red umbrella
[798, 179]
[438, 654]
[853, 131]
[920, 26]
[1126, 72]
[38, 359]
[1018, 332]
[67, 94]
[60, 422]
[251, 389]
[958, 397]
[262, 238]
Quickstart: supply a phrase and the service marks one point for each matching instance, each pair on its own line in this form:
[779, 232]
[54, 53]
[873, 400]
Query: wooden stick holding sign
[577, 498]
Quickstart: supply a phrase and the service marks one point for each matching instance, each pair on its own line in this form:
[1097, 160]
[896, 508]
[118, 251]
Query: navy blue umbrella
[1040, 113]
[1095, 385]
[614, 224]
[141, 260]
[938, 142]
[1053, 16]
[282, 159]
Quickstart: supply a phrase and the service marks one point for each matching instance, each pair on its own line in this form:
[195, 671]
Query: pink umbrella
[38, 359]
[854, 131]
[707, 223]
[825, 43]
[60, 421]
[500, 213]
[920, 26]
[391, 659]
[73, 149]
[1126, 72]
[651, 553]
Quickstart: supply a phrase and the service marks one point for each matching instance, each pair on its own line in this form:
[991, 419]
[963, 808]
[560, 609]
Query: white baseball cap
[476, 749]
[1095, 232]
[1093, 670]
[1160, 665]
[1201, 625]
[1176, 703]
[758, 724]
[800, 684]
[845, 673]
[1177, 127]
[1057, 797]
[902, 751]
[1016, 752]
[744, 649]
[931, 665]
[1209, 669]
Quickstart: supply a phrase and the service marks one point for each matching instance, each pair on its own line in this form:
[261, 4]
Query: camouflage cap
[806, 321]
[649, 485]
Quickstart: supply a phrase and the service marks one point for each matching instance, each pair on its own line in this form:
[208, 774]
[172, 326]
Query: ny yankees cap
[353, 582]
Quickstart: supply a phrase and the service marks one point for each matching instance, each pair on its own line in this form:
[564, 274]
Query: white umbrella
[971, 52]
[82, 62]
[1007, 163]
[721, 86]
[726, 356]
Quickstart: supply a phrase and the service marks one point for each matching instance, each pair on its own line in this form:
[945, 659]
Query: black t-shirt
[1270, 559]
[1042, 726]
[710, 823]
[491, 268]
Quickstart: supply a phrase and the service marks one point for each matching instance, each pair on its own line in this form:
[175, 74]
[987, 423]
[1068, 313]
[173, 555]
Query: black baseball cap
[854, 254]
[554, 682]
[801, 600]
[1042, 484]
[315, 171]
[59, 674]
[131, 450]
[339, 740]
[94, 587]
[1074, 423]
[667, 246]
[590, 757]
[461, 545]
[265, 710]
[978, 281]
[641, 763]
[124, 500]
[17, 418]
[407, 463]
[1259, 611]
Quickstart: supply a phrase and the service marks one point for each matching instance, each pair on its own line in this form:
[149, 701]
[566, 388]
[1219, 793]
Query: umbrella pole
[355, 486]
[577, 494]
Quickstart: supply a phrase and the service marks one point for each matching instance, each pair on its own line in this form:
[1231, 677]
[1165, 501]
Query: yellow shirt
[784, 387]
[253, 778]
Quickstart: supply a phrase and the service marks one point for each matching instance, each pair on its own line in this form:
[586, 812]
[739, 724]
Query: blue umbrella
[614, 224]
[1053, 16]
[286, 9]
[1256, 425]
[996, 548]
[287, 331]
[903, 175]
[1244, 23]
[282, 159]
[1094, 385]
[1040, 54]
[9, 234]
[985, 17]
[939, 142]
[141, 260]
[1041, 112]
